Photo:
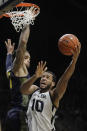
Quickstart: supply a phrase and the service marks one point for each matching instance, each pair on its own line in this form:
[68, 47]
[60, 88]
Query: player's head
[27, 59]
[48, 80]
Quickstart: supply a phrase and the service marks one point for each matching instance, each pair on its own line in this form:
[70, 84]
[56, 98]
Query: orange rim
[21, 5]
[27, 5]
[4, 15]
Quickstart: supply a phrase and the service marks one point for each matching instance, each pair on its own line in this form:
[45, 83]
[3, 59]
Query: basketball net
[20, 18]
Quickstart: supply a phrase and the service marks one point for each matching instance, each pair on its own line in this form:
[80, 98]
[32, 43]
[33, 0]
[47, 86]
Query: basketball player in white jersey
[45, 99]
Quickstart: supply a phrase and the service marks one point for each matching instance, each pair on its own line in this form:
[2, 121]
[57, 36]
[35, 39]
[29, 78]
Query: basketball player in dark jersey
[45, 99]
[17, 73]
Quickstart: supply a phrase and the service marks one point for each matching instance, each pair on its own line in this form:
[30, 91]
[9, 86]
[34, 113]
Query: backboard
[6, 5]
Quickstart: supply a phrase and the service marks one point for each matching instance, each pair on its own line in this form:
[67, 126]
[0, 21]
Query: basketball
[66, 43]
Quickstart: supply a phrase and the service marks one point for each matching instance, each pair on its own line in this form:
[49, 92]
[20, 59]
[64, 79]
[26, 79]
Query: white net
[20, 18]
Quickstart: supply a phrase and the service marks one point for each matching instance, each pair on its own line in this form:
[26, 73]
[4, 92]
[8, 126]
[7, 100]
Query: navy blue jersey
[17, 99]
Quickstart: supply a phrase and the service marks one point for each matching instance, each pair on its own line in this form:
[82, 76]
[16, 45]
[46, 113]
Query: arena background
[56, 18]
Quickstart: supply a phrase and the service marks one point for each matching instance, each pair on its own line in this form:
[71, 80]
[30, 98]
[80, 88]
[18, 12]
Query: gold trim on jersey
[8, 76]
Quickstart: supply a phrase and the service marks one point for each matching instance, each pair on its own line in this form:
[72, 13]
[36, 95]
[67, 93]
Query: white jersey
[41, 112]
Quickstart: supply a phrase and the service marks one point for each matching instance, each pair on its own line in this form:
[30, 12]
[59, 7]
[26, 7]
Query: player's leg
[12, 122]
[23, 121]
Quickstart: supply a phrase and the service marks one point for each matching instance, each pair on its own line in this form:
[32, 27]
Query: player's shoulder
[8, 73]
[52, 98]
[35, 88]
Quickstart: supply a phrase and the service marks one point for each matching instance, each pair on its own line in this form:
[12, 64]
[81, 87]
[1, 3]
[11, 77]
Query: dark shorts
[16, 120]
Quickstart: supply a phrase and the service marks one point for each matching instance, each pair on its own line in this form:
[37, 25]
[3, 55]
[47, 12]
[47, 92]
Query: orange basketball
[66, 43]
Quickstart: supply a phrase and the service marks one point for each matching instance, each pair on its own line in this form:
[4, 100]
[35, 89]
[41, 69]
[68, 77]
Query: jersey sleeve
[8, 62]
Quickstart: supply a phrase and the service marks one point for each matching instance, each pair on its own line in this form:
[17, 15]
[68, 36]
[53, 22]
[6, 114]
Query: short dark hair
[53, 74]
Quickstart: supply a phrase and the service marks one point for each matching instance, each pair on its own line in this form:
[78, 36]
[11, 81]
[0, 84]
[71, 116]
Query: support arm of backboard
[9, 5]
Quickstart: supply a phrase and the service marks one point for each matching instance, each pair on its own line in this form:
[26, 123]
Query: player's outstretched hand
[76, 52]
[41, 68]
[9, 46]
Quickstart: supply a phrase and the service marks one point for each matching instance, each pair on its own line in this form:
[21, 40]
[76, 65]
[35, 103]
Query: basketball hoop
[22, 17]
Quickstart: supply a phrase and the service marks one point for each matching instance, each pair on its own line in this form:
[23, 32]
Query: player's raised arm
[61, 86]
[27, 87]
[21, 49]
